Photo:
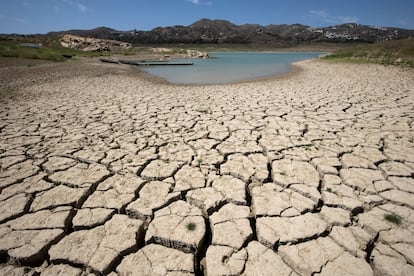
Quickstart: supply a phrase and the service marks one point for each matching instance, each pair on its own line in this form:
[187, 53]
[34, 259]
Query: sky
[42, 16]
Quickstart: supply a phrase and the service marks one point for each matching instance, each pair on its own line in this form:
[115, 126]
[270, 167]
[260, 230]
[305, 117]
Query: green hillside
[396, 52]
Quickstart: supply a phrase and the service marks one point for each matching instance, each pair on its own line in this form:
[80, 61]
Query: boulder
[88, 44]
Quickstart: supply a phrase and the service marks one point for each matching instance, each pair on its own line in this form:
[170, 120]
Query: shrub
[393, 218]
[191, 226]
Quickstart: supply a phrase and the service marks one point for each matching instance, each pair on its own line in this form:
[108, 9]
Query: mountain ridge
[207, 31]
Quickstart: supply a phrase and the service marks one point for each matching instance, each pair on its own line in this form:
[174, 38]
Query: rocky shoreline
[105, 171]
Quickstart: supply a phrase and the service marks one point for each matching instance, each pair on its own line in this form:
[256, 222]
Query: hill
[206, 31]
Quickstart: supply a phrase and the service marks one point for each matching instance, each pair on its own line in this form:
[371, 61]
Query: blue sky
[41, 16]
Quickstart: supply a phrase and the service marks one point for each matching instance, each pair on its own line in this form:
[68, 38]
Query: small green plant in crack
[282, 173]
[191, 226]
[393, 218]
[199, 161]
[204, 111]
[329, 190]
[308, 147]
[129, 160]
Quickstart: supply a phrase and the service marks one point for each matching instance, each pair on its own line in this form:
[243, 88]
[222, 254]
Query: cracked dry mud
[311, 174]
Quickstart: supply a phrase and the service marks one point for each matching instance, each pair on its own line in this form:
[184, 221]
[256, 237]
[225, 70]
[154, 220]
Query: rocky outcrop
[88, 44]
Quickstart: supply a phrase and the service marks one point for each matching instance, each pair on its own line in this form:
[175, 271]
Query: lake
[228, 67]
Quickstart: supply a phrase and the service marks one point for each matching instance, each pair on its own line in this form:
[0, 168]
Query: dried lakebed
[306, 175]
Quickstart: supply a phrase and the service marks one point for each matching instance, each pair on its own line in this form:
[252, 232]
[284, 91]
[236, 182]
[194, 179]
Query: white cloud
[324, 16]
[199, 2]
[81, 7]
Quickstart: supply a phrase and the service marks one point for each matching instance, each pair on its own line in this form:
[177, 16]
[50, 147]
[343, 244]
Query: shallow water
[229, 67]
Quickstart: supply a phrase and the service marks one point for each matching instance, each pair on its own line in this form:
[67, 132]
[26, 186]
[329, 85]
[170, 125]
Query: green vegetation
[393, 218]
[14, 50]
[308, 147]
[204, 111]
[191, 226]
[396, 52]
[50, 49]
[133, 51]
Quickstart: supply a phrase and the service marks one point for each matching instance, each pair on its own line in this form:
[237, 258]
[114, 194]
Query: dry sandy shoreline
[104, 170]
